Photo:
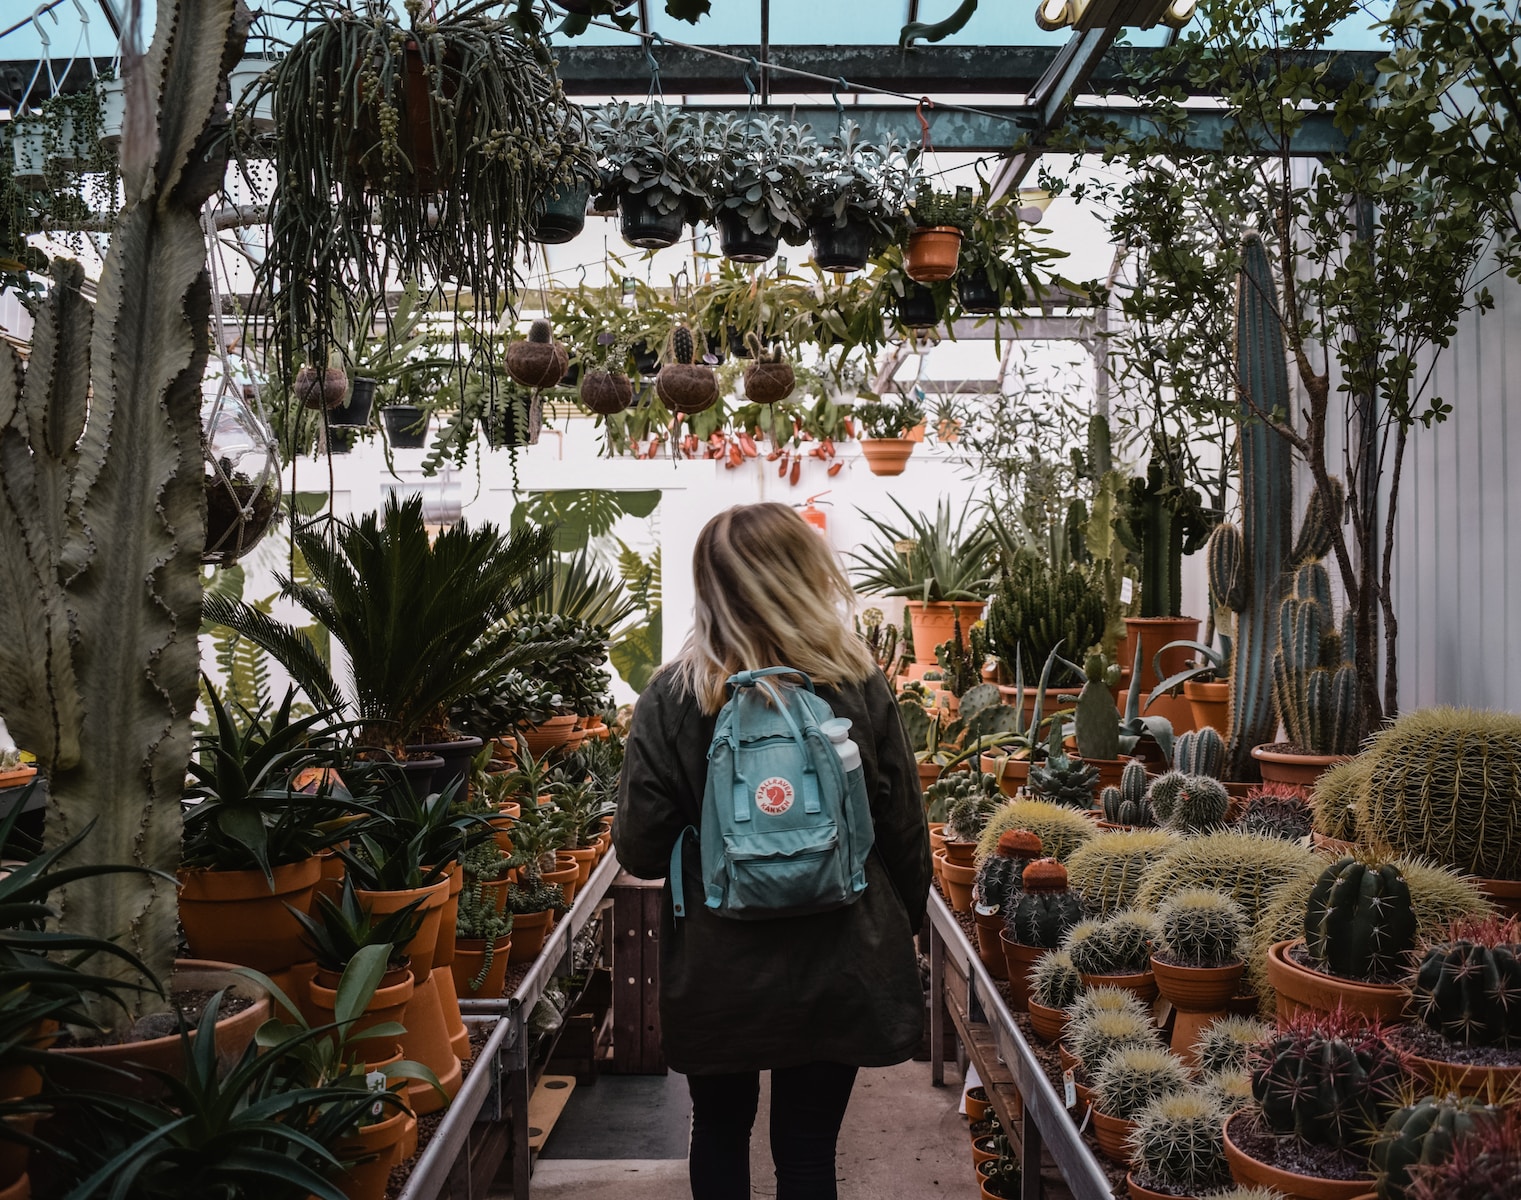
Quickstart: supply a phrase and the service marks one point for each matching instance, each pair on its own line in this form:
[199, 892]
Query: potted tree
[883, 428]
[854, 192]
[654, 160]
[758, 169]
[942, 571]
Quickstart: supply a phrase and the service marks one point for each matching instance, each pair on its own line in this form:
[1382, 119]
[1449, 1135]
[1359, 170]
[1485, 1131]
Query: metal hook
[840, 84]
[752, 65]
[654, 65]
[924, 130]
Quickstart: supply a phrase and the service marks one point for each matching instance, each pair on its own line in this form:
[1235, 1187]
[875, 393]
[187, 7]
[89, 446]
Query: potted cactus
[1197, 961]
[684, 384]
[998, 882]
[1177, 1149]
[1063, 780]
[537, 361]
[1318, 1086]
[1314, 685]
[1424, 1133]
[1466, 1032]
[1103, 735]
[1124, 806]
[1102, 1022]
[1188, 803]
[1036, 922]
[1360, 929]
[482, 945]
[1115, 952]
[1124, 1084]
[1054, 984]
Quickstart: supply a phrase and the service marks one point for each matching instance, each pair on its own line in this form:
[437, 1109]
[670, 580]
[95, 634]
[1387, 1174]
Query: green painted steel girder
[997, 130]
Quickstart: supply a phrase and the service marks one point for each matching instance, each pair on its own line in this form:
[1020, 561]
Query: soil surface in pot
[1151, 1185]
[1427, 1043]
[1290, 1154]
[1299, 955]
[191, 1003]
[1283, 748]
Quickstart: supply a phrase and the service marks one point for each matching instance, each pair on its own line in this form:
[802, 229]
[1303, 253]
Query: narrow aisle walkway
[902, 1138]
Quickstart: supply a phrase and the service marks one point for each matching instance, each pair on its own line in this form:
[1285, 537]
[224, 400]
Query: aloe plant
[102, 519]
[942, 561]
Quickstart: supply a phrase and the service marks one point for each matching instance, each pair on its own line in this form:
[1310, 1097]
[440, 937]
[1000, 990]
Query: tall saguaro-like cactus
[1249, 563]
[102, 509]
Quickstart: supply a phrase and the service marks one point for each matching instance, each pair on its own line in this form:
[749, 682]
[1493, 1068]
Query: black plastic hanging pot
[354, 413]
[736, 342]
[740, 243]
[513, 421]
[841, 247]
[645, 226]
[339, 440]
[572, 376]
[917, 307]
[646, 360]
[976, 293]
[406, 426]
[563, 217]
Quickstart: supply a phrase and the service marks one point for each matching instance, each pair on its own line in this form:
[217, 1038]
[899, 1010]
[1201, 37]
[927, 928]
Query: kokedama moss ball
[539, 361]
[606, 392]
[685, 385]
[326, 389]
[767, 379]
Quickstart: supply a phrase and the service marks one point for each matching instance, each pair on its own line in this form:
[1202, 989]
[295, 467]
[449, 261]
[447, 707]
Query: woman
[811, 998]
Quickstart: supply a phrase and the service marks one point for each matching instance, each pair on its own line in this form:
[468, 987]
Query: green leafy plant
[1034, 610]
[541, 830]
[479, 920]
[654, 152]
[410, 841]
[759, 165]
[938, 561]
[851, 181]
[933, 209]
[887, 418]
[338, 930]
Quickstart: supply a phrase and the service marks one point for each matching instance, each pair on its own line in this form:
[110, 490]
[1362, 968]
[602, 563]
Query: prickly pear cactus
[1097, 717]
[1360, 922]
[102, 504]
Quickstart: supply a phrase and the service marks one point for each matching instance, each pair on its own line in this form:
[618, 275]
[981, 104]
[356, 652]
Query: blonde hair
[769, 593]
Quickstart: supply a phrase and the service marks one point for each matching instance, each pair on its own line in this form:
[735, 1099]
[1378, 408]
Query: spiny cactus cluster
[1178, 1145]
[1327, 1079]
[1201, 928]
[1484, 1165]
[1092, 1039]
[1360, 921]
[1054, 981]
[1442, 783]
[1133, 1076]
[1106, 873]
[1249, 869]
[970, 799]
[1423, 1134]
[1045, 909]
[1061, 830]
[1126, 804]
[1199, 804]
[1226, 1045]
[1120, 945]
[1314, 679]
[1063, 780]
[1276, 810]
[1337, 797]
[1467, 987]
[1199, 752]
[1162, 794]
[1229, 1089]
[999, 874]
[1107, 999]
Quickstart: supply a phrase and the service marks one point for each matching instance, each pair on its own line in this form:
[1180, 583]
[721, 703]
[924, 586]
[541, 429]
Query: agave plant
[409, 610]
[937, 561]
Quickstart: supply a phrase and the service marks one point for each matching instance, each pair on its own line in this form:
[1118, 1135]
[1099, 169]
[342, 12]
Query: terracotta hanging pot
[1249, 1172]
[1301, 989]
[606, 392]
[237, 917]
[886, 456]
[528, 933]
[326, 390]
[933, 253]
[538, 361]
[685, 385]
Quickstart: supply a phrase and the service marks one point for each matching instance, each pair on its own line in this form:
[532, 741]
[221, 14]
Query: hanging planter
[242, 476]
[111, 95]
[685, 385]
[28, 152]
[932, 253]
[513, 420]
[406, 426]
[607, 392]
[841, 247]
[740, 243]
[254, 106]
[976, 293]
[539, 361]
[354, 413]
[563, 215]
[917, 307]
[886, 456]
[326, 390]
[646, 359]
[768, 379]
[643, 224]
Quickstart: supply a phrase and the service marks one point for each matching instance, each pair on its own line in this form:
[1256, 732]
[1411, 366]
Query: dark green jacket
[841, 986]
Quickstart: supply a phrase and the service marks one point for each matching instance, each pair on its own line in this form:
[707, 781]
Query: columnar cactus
[1045, 910]
[1327, 1079]
[998, 876]
[1314, 679]
[102, 503]
[1200, 804]
[1199, 752]
[1132, 1077]
[1421, 1134]
[1468, 986]
[1126, 804]
[1201, 928]
[1360, 922]
[1178, 1144]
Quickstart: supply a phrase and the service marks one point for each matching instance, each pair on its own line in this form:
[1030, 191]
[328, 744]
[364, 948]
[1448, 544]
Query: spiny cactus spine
[540, 331]
[1200, 805]
[1468, 987]
[683, 345]
[1043, 918]
[1132, 1077]
[1314, 682]
[1178, 1144]
[1117, 946]
[1360, 921]
[1107, 872]
[1061, 830]
[1094, 1038]
[1249, 869]
[1227, 1044]
[1276, 810]
[1108, 999]
[1199, 752]
[1338, 793]
[1202, 928]
[1162, 794]
[1421, 1134]
[1054, 981]
[1133, 780]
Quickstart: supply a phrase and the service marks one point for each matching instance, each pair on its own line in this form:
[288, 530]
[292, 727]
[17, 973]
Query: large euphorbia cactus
[102, 509]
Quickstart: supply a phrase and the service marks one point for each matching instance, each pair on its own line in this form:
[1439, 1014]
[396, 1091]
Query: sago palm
[423, 622]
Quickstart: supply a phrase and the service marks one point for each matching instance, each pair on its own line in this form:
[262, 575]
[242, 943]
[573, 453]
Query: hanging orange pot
[933, 253]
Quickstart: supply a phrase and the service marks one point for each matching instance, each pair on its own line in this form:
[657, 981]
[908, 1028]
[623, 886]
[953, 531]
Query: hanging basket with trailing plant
[684, 384]
[934, 245]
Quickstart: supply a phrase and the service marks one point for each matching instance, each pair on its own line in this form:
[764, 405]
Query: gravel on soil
[1255, 1140]
[427, 1126]
[1428, 1043]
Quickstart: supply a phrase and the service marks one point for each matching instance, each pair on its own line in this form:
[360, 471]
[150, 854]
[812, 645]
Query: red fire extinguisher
[815, 515]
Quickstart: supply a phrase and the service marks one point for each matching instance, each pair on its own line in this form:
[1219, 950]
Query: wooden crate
[636, 976]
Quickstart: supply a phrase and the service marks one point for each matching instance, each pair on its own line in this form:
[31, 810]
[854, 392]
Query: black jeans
[807, 1106]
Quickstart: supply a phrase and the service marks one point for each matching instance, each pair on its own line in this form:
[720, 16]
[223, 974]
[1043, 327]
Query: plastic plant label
[1127, 590]
[1069, 1088]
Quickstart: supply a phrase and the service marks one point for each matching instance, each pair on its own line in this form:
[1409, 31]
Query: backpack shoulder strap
[678, 889]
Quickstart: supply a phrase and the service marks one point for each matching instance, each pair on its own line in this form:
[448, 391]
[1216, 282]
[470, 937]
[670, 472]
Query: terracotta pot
[1248, 1172]
[1018, 959]
[1112, 1135]
[469, 956]
[15, 1154]
[962, 854]
[1504, 894]
[978, 1105]
[1068, 1060]
[586, 858]
[1335, 845]
[20, 1190]
[1495, 1085]
[389, 1003]
[1200, 995]
[554, 732]
[886, 456]
[235, 917]
[935, 622]
[957, 881]
[1012, 773]
[20, 1081]
[1299, 769]
[933, 253]
[379, 1147]
[330, 882]
[1301, 989]
[1142, 984]
[528, 933]
[982, 1150]
[1140, 1192]
[443, 957]
[990, 944]
[424, 943]
[1048, 1023]
[1153, 633]
[565, 874]
[17, 776]
[233, 1034]
[928, 773]
[448, 921]
[427, 1040]
[497, 890]
[1210, 703]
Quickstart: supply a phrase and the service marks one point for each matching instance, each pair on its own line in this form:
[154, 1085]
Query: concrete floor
[901, 1137]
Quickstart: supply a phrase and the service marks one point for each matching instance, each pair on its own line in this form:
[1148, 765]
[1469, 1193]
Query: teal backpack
[786, 827]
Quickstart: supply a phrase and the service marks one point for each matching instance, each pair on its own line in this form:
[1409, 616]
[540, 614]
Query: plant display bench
[494, 1124]
[1031, 1111]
